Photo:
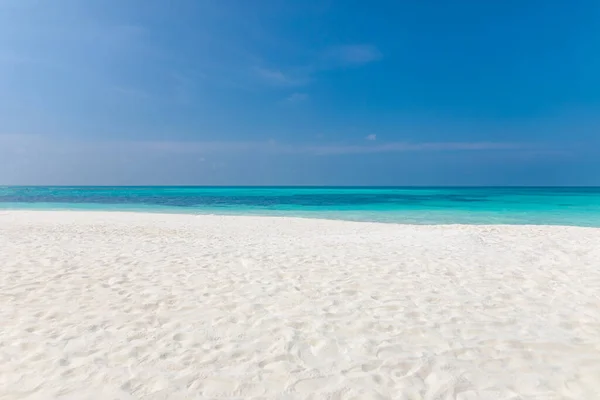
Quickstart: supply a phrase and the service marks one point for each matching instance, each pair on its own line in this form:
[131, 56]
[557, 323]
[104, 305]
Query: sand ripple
[136, 306]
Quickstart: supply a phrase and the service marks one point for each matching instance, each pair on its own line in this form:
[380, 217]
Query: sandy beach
[99, 305]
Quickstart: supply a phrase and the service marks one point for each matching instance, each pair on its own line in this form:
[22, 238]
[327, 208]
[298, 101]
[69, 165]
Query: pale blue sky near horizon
[313, 92]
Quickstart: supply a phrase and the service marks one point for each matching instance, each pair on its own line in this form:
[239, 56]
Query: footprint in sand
[312, 385]
[326, 349]
[282, 363]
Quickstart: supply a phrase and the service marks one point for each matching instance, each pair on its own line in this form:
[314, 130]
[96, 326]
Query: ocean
[577, 206]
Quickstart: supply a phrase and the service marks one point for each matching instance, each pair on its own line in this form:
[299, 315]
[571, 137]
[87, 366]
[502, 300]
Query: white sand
[150, 306]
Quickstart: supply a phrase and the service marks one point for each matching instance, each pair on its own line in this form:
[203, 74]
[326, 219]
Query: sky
[307, 92]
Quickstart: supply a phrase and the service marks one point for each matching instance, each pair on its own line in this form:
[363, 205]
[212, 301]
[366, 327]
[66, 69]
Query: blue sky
[311, 92]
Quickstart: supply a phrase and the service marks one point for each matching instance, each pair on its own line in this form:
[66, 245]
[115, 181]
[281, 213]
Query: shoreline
[302, 218]
[104, 304]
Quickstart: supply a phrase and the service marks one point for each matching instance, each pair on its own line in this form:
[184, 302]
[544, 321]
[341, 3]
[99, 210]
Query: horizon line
[306, 186]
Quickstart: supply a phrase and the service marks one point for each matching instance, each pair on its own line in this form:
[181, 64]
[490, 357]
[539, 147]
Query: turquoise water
[519, 205]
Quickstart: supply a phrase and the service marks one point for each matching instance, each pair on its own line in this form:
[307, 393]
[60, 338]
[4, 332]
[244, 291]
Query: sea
[574, 206]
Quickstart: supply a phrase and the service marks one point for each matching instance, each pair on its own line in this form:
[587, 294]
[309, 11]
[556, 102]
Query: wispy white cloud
[39, 159]
[12, 142]
[329, 59]
[371, 137]
[278, 77]
[352, 55]
[297, 97]
[41, 143]
[398, 147]
[272, 146]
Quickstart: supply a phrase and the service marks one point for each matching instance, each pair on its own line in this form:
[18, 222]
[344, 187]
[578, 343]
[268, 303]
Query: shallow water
[579, 206]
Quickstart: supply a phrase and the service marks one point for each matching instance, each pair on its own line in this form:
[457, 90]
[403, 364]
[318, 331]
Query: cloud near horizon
[13, 143]
[45, 160]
